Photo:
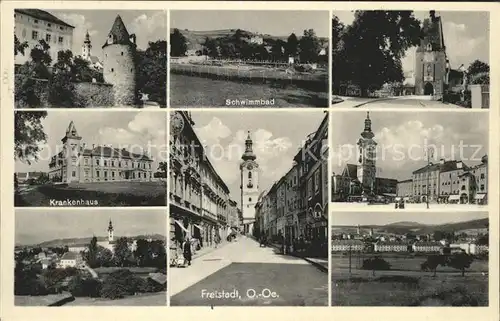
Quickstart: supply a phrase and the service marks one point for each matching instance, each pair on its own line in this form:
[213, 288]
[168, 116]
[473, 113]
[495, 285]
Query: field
[194, 90]
[406, 285]
[104, 194]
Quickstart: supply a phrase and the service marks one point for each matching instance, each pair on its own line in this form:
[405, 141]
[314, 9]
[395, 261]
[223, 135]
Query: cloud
[148, 26]
[460, 46]
[81, 26]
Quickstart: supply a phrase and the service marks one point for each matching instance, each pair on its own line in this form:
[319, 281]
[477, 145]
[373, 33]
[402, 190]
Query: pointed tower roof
[248, 154]
[71, 132]
[118, 33]
[87, 37]
[110, 226]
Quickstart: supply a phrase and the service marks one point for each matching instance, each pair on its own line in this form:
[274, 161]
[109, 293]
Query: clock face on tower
[250, 167]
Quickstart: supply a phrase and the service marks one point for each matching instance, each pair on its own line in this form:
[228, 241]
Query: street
[391, 102]
[242, 273]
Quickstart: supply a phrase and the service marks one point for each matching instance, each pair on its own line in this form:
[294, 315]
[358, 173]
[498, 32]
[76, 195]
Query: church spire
[110, 231]
[87, 38]
[367, 133]
[249, 154]
[71, 132]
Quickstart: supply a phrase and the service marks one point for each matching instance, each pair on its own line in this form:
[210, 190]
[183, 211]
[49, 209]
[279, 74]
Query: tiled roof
[392, 243]
[428, 244]
[119, 33]
[347, 242]
[406, 181]
[445, 167]
[42, 15]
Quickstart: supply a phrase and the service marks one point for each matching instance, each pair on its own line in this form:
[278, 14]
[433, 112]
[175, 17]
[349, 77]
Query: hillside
[195, 39]
[85, 240]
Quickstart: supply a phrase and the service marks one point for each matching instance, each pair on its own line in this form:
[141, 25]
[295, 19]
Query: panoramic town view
[90, 58]
[90, 158]
[248, 208]
[415, 59]
[432, 160]
[249, 58]
[78, 257]
[411, 259]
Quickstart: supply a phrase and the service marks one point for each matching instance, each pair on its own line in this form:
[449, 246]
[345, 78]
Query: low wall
[480, 96]
[89, 94]
[35, 94]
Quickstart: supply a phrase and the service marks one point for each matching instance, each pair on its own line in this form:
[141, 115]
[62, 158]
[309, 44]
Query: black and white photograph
[248, 208]
[408, 160]
[90, 158]
[80, 257]
[411, 259]
[249, 58]
[410, 59]
[90, 58]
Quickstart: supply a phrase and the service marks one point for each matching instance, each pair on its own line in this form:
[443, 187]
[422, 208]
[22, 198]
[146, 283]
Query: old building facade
[76, 163]
[249, 178]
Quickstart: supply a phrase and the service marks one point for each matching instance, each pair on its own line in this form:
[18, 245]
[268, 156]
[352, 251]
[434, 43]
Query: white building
[33, 25]
[70, 259]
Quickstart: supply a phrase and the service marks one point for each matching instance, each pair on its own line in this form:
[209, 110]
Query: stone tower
[71, 154]
[367, 158]
[249, 170]
[119, 67]
[86, 47]
[431, 63]
[110, 231]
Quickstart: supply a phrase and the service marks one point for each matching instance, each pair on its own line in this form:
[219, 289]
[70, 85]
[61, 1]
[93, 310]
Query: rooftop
[43, 15]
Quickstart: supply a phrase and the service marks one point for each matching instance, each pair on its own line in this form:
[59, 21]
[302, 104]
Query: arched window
[249, 199]
[250, 175]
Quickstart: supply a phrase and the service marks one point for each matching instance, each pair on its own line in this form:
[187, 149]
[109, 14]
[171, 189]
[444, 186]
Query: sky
[275, 23]
[274, 144]
[402, 138]
[35, 226]
[148, 25]
[466, 36]
[355, 218]
[121, 129]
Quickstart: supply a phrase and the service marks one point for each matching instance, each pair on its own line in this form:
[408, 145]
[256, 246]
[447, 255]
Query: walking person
[186, 248]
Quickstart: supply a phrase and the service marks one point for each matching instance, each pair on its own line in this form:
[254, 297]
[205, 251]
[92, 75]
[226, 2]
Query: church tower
[431, 63]
[71, 154]
[86, 47]
[119, 67]
[110, 231]
[249, 170]
[367, 155]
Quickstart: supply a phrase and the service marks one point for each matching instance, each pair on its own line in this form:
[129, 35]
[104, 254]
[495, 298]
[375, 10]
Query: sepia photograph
[405, 160]
[90, 58]
[412, 259]
[90, 158]
[248, 208]
[410, 59]
[248, 58]
[80, 257]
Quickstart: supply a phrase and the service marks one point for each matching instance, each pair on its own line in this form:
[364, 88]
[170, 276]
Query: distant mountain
[86, 240]
[406, 224]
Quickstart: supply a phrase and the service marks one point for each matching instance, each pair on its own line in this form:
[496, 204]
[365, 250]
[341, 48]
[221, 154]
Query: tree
[123, 254]
[90, 255]
[119, 284]
[152, 71]
[104, 257]
[385, 35]
[309, 47]
[461, 261]
[433, 262]
[210, 48]
[178, 44]
[28, 135]
[375, 264]
[277, 50]
[19, 46]
[162, 168]
[82, 287]
[479, 73]
[82, 72]
[292, 46]
[61, 87]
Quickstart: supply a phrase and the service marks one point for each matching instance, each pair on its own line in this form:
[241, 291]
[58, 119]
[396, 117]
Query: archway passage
[428, 89]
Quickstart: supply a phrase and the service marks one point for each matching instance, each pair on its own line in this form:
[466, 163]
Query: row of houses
[297, 204]
[447, 181]
[200, 204]
[417, 247]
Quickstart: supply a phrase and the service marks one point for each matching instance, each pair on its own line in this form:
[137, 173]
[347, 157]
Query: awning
[454, 197]
[479, 196]
[181, 226]
[199, 227]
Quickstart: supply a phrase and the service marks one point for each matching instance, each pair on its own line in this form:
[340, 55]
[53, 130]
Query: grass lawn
[191, 91]
[105, 194]
[145, 299]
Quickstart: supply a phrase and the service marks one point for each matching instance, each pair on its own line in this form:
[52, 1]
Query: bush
[119, 284]
[376, 263]
[81, 287]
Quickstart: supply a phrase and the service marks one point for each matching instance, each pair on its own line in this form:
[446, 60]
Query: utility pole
[429, 155]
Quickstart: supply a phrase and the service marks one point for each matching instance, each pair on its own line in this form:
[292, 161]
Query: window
[122, 53]
[73, 174]
[60, 40]
[105, 163]
[112, 70]
[50, 25]
[482, 187]
[249, 175]
[97, 161]
[35, 21]
[249, 199]
[97, 173]
[112, 174]
[482, 175]
[105, 173]
[34, 35]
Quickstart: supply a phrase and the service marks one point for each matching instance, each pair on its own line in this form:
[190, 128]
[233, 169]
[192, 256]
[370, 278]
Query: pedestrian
[186, 248]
